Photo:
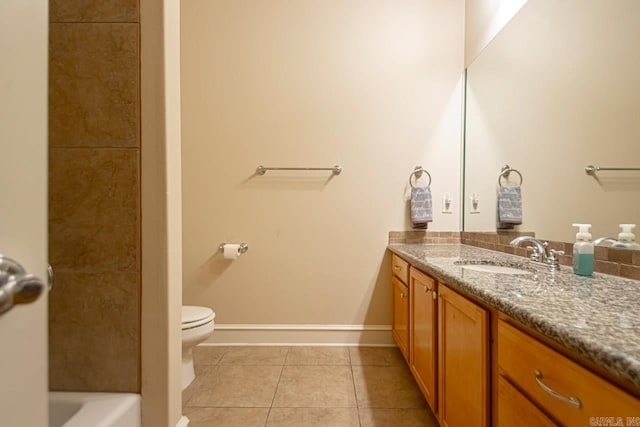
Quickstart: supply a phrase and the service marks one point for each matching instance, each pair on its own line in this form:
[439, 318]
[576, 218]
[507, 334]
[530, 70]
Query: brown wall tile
[95, 343]
[622, 256]
[93, 11]
[94, 85]
[94, 209]
[636, 258]
[566, 260]
[606, 267]
[601, 253]
[630, 271]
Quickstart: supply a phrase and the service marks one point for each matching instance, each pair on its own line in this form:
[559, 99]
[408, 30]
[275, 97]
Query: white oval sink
[489, 268]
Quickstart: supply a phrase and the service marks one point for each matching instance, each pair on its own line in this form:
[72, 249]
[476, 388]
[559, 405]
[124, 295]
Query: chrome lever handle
[51, 277]
[573, 401]
[16, 285]
[535, 254]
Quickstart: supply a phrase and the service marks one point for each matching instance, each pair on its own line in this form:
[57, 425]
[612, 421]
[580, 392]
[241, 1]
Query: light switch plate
[447, 203]
[474, 204]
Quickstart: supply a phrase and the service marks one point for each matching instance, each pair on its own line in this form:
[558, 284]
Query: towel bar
[591, 170]
[261, 170]
[504, 173]
[417, 172]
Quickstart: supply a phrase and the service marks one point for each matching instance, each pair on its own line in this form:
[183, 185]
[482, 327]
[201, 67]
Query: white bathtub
[94, 409]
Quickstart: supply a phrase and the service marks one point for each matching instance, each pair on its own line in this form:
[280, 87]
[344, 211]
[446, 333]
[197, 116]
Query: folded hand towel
[421, 207]
[509, 207]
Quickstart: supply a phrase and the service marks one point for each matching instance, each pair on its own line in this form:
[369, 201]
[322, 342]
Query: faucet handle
[553, 259]
[535, 254]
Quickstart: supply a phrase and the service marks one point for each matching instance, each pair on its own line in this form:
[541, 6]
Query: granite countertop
[597, 317]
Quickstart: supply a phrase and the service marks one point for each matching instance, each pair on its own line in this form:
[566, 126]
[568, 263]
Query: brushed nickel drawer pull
[396, 267]
[573, 401]
[402, 295]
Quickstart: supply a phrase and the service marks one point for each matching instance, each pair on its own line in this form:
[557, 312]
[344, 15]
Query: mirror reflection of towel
[421, 207]
[509, 207]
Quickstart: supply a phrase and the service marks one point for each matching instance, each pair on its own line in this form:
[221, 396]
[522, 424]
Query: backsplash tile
[424, 236]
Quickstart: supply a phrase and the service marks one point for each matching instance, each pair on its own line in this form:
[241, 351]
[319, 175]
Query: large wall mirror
[556, 90]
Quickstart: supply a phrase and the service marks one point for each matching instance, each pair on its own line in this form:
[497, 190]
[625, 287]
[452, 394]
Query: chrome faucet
[601, 240]
[539, 253]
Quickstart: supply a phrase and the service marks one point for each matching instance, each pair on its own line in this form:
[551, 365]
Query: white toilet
[197, 326]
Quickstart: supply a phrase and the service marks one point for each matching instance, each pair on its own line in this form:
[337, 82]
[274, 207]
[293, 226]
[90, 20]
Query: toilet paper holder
[244, 247]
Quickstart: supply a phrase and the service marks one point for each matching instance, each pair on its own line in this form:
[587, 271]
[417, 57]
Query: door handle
[16, 285]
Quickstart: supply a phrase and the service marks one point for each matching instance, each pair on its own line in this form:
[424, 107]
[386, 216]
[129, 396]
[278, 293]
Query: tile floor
[304, 386]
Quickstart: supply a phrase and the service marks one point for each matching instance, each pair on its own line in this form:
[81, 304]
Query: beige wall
[483, 20]
[372, 86]
[554, 92]
[94, 190]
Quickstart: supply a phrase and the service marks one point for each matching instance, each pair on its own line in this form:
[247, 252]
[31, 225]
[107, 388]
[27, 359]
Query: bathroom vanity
[491, 340]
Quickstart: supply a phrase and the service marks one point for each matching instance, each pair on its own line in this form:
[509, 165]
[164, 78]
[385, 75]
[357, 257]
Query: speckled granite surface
[597, 317]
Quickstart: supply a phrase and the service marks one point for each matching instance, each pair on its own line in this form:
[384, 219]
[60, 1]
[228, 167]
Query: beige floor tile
[318, 356]
[315, 386]
[254, 356]
[397, 418]
[226, 417]
[236, 386]
[386, 387]
[203, 369]
[376, 356]
[201, 372]
[208, 355]
[316, 417]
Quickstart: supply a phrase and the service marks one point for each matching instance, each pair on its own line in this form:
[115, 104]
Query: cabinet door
[462, 360]
[516, 410]
[423, 325]
[401, 316]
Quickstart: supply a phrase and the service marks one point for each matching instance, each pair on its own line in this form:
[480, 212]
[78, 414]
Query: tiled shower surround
[94, 195]
[617, 262]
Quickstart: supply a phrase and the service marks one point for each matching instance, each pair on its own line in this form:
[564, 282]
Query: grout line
[355, 392]
[275, 392]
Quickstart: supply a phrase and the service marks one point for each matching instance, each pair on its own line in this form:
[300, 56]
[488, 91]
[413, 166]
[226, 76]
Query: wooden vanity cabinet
[567, 392]
[400, 329]
[514, 409]
[399, 284]
[446, 340]
[423, 322]
[463, 361]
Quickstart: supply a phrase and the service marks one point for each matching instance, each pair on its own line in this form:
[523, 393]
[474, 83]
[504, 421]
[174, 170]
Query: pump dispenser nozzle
[583, 232]
[626, 235]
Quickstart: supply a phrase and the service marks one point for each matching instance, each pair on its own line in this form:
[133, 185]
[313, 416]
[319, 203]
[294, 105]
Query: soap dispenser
[583, 251]
[626, 238]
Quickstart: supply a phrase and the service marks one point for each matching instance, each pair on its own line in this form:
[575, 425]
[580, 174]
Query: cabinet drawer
[400, 268]
[540, 372]
[516, 410]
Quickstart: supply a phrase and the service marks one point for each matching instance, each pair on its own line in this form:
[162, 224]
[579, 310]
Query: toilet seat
[194, 316]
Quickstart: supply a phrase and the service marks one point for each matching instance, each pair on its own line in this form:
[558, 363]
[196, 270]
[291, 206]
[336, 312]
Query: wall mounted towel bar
[417, 172]
[505, 171]
[591, 170]
[261, 170]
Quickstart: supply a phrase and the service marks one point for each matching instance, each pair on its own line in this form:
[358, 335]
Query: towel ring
[504, 173]
[417, 172]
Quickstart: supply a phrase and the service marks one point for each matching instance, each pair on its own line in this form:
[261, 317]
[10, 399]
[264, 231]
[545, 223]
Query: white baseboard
[183, 422]
[263, 334]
